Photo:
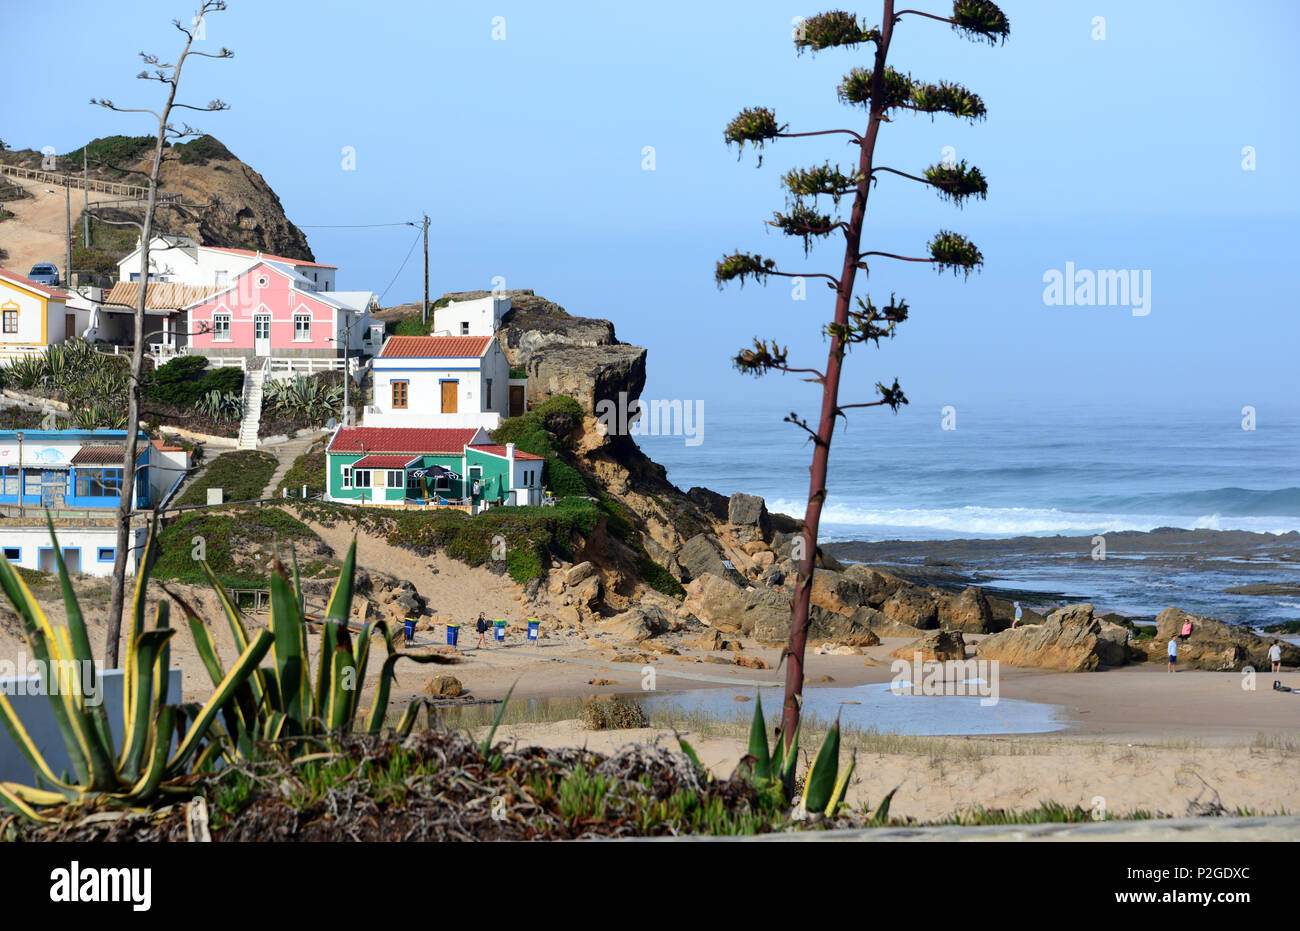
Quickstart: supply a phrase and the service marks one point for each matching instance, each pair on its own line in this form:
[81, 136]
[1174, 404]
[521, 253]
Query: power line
[404, 261]
[351, 226]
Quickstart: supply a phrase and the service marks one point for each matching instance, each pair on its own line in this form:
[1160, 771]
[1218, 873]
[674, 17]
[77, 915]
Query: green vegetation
[202, 150]
[411, 326]
[92, 383]
[113, 154]
[1285, 627]
[308, 469]
[243, 474]
[601, 714]
[537, 431]
[236, 544]
[186, 379]
[310, 398]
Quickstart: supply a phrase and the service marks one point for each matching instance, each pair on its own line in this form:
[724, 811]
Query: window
[302, 327]
[94, 483]
[464, 328]
[219, 277]
[400, 393]
[221, 327]
[10, 475]
[360, 478]
[107, 554]
[396, 478]
[32, 483]
[11, 318]
[347, 476]
[13, 553]
[489, 393]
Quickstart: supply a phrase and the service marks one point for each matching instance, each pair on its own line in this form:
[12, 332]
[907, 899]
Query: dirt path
[36, 231]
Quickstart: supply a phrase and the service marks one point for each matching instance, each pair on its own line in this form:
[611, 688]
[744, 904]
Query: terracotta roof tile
[501, 451]
[25, 282]
[270, 258]
[435, 347]
[413, 441]
[160, 295]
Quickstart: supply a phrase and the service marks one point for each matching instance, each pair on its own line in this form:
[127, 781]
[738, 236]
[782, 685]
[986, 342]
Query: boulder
[712, 503]
[589, 592]
[639, 623]
[876, 586]
[579, 573]
[833, 627]
[588, 374]
[968, 612]
[837, 591]
[882, 626]
[1069, 640]
[750, 662]
[700, 556]
[747, 516]
[443, 687]
[1214, 644]
[913, 607]
[935, 646]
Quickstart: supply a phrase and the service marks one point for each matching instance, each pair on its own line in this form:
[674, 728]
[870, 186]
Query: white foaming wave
[842, 518]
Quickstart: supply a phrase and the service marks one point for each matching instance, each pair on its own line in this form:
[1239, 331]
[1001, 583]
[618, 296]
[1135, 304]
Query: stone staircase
[248, 427]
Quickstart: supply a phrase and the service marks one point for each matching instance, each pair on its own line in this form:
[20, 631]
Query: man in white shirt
[1173, 653]
[1275, 656]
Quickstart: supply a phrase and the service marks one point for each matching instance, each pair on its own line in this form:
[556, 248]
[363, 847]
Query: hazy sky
[1119, 153]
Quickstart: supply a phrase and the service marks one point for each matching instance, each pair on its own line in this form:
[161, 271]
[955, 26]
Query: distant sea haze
[1003, 474]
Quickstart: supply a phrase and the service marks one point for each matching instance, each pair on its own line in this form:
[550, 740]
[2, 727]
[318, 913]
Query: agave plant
[26, 373]
[146, 762]
[221, 406]
[280, 701]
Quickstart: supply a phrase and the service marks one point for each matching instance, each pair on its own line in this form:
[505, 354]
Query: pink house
[271, 310]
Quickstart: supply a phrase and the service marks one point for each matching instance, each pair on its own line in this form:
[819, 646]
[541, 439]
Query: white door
[262, 334]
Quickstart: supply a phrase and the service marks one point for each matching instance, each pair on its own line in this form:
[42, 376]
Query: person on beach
[1187, 629]
[1275, 656]
[1016, 622]
[1173, 653]
[481, 625]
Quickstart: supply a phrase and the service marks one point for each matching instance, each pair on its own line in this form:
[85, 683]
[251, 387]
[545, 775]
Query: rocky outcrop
[700, 556]
[1212, 644]
[968, 612]
[639, 623]
[913, 607]
[1070, 640]
[588, 374]
[748, 519]
[936, 646]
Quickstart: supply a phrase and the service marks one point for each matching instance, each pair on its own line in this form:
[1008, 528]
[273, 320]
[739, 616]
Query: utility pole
[424, 311]
[85, 201]
[347, 375]
[67, 225]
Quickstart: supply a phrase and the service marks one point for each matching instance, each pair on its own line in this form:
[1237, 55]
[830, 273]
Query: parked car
[44, 273]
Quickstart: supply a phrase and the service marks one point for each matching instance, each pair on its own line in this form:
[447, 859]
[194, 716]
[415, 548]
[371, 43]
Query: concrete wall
[38, 719]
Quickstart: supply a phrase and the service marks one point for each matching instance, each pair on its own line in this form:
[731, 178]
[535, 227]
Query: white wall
[424, 394]
[30, 317]
[176, 264]
[88, 540]
[483, 315]
[165, 467]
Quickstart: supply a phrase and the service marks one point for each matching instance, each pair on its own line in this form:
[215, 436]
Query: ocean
[1010, 471]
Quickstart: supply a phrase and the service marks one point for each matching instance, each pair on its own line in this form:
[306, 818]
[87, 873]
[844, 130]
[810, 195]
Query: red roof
[435, 347]
[270, 258]
[384, 462]
[413, 441]
[501, 451]
[165, 448]
[24, 282]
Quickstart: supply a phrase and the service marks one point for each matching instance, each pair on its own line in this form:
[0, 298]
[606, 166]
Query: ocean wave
[863, 521]
[1238, 502]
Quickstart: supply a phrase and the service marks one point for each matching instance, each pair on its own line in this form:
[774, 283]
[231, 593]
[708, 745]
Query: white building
[87, 549]
[34, 316]
[440, 381]
[180, 260]
[479, 317]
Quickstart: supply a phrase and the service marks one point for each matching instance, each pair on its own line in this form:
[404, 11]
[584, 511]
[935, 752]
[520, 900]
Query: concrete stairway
[248, 427]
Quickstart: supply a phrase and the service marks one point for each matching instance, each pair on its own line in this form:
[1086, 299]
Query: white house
[181, 260]
[33, 316]
[440, 381]
[87, 548]
[479, 317]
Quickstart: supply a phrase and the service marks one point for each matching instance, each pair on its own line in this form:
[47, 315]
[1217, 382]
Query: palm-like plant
[146, 762]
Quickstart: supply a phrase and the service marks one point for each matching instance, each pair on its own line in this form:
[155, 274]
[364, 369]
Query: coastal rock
[588, 374]
[968, 612]
[1069, 640]
[712, 503]
[443, 687]
[639, 623]
[1213, 644]
[700, 556]
[749, 662]
[833, 627]
[837, 591]
[914, 607]
[589, 592]
[882, 626]
[876, 586]
[936, 646]
[579, 573]
[747, 515]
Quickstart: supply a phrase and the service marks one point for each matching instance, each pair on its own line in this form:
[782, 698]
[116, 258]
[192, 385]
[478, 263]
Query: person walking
[1016, 623]
[1275, 656]
[481, 625]
[1173, 653]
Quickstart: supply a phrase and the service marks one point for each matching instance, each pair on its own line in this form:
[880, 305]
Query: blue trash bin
[410, 629]
[453, 632]
[533, 624]
[499, 630]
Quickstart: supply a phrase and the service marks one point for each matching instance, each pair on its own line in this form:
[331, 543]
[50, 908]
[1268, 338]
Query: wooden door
[449, 397]
[69, 327]
[516, 400]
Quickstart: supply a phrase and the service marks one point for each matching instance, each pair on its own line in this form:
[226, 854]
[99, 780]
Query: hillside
[224, 202]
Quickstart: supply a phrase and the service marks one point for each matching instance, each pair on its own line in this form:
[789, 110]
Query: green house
[436, 466]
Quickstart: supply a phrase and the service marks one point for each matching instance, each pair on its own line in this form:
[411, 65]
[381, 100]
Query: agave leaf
[382, 688]
[135, 739]
[286, 624]
[9, 795]
[791, 760]
[486, 743]
[238, 673]
[758, 743]
[340, 698]
[14, 725]
[690, 753]
[256, 682]
[329, 641]
[820, 781]
[882, 810]
[841, 786]
[160, 743]
[407, 724]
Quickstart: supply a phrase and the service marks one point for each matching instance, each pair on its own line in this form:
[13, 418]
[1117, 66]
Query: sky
[521, 130]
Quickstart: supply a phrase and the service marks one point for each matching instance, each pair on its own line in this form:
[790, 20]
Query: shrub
[562, 479]
[202, 150]
[411, 326]
[233, 543]
[186, 379]
[602, 714]
[243, 474]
